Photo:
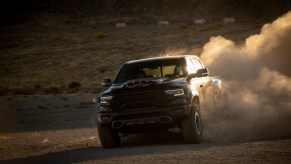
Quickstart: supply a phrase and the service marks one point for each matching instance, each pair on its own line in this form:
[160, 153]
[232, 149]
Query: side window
[190, 67]
[197, 63]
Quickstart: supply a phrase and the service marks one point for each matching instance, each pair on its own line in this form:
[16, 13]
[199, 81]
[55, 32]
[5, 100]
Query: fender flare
[194, 95]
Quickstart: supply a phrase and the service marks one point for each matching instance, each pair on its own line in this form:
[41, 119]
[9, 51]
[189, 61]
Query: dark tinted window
[152, 69]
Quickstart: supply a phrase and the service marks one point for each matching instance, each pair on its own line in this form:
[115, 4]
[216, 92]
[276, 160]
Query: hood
[147, 84]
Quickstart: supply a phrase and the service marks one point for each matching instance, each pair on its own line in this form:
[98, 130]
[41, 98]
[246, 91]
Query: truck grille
[136, 101]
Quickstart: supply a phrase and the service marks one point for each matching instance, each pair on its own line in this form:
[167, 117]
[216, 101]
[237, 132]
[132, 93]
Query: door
[205, 83]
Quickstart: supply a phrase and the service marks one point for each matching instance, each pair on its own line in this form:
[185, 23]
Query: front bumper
[144, 119]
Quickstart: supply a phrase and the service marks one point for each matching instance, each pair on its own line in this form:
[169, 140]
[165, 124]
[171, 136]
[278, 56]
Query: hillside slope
[12, 11]
[50, 43]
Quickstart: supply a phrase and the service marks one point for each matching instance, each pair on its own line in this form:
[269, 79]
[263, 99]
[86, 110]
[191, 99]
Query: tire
[192, 126]
[107, 137]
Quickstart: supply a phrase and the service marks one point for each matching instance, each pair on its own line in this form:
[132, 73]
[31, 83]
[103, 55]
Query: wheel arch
[195, 97]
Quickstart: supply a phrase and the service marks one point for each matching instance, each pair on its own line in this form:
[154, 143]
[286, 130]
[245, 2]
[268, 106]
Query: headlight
[176, 92]
[105, 100]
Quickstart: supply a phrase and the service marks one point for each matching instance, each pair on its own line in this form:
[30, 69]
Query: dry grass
[101, 35]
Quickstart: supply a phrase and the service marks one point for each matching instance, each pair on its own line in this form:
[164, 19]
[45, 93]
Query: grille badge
[138, 83]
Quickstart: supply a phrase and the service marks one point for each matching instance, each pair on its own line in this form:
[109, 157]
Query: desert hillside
[51, 44]
[12, 10]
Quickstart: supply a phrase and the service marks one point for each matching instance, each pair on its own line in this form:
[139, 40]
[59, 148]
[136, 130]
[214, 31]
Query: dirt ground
[62, 129]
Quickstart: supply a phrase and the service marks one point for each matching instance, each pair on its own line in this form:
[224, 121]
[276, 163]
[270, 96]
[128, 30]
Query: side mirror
[200, 73]
[106, 82]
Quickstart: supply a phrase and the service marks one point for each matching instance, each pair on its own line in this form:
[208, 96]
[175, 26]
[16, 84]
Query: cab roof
[161, 58]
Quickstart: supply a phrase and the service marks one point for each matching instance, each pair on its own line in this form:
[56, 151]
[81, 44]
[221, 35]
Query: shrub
[74, 84]
[101, 35]
[183, 26]
[52, 90]
[37, 86]
[23, 92]
[2, 93]
[102, 69]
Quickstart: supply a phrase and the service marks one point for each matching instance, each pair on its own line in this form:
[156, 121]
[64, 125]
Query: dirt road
[61, 129]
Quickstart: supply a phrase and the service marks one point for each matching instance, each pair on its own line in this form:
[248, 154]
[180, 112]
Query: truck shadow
[133, 147]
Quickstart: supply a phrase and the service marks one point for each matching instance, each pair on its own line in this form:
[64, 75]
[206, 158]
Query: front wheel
[192, 126]
[107, 137]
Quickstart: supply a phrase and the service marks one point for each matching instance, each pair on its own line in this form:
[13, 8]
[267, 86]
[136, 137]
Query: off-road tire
[192, 126]
[107, 137]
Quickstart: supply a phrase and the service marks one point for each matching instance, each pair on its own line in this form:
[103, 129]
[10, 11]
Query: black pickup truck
[156, 94]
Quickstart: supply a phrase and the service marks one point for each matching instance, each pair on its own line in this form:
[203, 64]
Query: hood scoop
[138, 83]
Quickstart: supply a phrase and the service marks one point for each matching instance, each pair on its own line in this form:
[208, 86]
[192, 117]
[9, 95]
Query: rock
[164, 23]
[120, 25]
[44, 141]
[228, 20]
[199, 21]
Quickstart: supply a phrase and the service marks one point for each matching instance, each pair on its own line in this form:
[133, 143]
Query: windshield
[172, 68]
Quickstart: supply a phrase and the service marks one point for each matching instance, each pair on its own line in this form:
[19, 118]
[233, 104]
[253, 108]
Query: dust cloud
[257, 78]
